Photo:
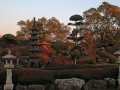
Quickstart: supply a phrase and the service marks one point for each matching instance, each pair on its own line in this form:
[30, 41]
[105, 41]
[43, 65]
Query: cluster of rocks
[74, 84]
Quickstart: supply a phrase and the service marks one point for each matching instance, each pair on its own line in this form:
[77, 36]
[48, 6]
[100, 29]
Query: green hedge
[37, 76]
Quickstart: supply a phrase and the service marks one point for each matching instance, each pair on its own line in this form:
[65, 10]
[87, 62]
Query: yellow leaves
[29, 24]
[53, 23]
[42, 20]
[50, 31]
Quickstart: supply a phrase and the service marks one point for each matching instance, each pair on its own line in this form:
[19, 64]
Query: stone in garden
[110, 82]
[95, 85]
[49, 87]
[20, 87]
[117, 53]
[36, 87]
[69, 84]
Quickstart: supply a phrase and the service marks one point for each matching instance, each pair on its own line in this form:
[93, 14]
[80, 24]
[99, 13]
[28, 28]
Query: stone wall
[73, 84]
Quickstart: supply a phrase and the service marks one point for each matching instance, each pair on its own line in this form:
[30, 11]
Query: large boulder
[69, 84]
[95, 85]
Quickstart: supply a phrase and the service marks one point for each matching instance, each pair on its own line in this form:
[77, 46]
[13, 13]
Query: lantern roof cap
[9, 56]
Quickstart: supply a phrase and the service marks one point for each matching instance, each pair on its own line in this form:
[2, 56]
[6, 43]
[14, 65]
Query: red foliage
[46, 51]
[58, 59]
[69, 62]
[44, 57]
[93, 38]
[87, 33]
[91, 52]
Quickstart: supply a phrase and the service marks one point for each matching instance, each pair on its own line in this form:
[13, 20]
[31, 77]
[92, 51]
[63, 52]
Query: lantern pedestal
[8, 87]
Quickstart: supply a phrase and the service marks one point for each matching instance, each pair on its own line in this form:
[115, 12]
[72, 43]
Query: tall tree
[8, 40]
[105, 17]
[50, 29]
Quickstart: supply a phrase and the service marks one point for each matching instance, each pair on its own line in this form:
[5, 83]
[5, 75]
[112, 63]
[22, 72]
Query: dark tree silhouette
[8, 40]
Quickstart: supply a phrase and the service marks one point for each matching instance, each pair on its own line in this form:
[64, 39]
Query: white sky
[12, 11]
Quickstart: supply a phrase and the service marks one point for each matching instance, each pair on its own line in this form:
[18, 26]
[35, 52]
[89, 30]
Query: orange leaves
[46, 45]
[45, 52]
[100, 8]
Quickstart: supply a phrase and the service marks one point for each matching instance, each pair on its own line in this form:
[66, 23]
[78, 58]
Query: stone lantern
[9, 65]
